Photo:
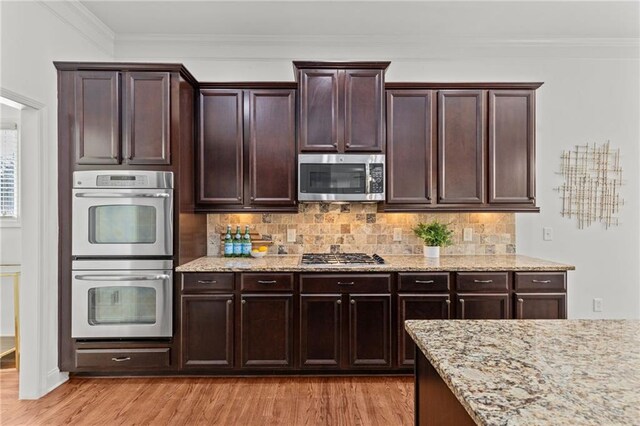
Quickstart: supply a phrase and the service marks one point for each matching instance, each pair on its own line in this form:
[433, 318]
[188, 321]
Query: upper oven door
[122, 222]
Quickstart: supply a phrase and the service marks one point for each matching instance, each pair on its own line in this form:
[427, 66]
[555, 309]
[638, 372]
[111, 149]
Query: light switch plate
[397, 234]
[547, 233]
[467, 234]
[291, 235]
[597, 304]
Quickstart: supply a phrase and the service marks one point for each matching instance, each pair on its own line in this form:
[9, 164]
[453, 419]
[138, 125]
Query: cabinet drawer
[482, 281]
[123, 359]
[206, 282]
[266, 282]
[541, 281]
[343, 283]
[431, 282]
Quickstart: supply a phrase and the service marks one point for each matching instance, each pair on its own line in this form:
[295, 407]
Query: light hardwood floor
[294, 401]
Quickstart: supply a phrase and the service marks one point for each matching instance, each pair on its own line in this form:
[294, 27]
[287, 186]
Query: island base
[435, 404]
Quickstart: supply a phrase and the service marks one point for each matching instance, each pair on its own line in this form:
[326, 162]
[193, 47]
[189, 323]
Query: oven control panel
[129, 181]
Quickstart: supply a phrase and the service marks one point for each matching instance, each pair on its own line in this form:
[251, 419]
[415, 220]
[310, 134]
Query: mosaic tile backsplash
[356, 227]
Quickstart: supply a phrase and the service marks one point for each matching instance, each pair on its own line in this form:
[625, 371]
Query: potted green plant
[434, 235]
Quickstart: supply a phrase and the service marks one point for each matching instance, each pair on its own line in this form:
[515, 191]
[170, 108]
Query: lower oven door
[121, 304]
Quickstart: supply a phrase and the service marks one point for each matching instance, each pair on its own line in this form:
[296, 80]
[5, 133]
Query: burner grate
[341, 259]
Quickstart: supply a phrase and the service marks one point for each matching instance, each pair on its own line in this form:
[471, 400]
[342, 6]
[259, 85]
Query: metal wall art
[592, 180]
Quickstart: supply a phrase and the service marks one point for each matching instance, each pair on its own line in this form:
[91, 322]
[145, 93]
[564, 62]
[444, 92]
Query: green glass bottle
[246, 243]
[237, 243]
[228, 243]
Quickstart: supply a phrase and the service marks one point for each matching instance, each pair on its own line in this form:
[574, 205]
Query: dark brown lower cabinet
[418, 307]
[207, 331]
[483, 306]
[266, 330]
[320, 330]
[540, 305]
[370, 330]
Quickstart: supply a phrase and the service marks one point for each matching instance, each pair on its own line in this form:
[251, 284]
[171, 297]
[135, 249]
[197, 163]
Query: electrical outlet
[597, 304]
[467, 234]
[547, 233]
[291, 235]
[397, 234]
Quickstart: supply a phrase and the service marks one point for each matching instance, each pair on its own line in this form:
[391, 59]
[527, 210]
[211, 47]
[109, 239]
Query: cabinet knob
[229, 302]
[353, 302]
[448, 302]
[339, 302]
[335, 144]
[347, 144]
[244, 302]
[253, 198]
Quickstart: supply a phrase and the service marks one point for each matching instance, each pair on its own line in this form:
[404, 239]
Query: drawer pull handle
[519, 313]
[207, 281]
[483, 281]
[121, 358]
[267, 282]
[541, 281]
[349, 283]
[425, 282]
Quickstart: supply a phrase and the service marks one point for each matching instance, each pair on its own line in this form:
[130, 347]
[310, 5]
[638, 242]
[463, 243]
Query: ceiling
[522, 20]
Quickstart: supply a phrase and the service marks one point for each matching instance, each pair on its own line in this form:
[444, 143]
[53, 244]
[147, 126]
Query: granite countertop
[511, 262]
[538, 372]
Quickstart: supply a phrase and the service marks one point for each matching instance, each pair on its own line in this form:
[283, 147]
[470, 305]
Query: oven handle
[118, 195]
[122, 277]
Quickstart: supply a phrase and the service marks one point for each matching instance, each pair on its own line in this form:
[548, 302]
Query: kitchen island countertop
[563, 372]
[394, 263]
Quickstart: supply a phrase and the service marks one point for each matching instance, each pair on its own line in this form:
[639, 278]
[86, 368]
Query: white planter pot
[431, 251]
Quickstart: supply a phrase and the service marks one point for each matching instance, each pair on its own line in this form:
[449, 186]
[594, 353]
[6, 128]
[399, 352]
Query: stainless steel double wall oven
[122, 246]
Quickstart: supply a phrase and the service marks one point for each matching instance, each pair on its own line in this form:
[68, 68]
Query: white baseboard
[54, 379]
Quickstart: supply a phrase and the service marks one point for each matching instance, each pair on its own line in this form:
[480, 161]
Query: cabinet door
[418, 307]
[97, 117]
[370, 330]
[207, 331]
[541, 306]
[483, 306]
[319, 110]
[272, 147]
[409, 146]
[220, 156]
[266, 330]
[511, 146]
[461, 136]
[364, 110]
[146, 118]
[320, 330]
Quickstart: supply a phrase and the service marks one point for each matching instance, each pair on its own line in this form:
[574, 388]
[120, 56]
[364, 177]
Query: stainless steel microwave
[341, 177]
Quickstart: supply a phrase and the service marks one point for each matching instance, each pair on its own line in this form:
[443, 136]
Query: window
[9, 171]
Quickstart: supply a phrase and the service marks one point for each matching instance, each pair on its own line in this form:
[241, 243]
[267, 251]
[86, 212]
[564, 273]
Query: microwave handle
[368, 178]
[118, 195]
[122, 277]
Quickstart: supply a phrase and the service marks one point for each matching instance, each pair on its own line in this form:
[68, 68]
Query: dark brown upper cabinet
[511, 146]
[247, 150]
[146, 117]
[341, 106]
[461, 146]
[97, 117]
[122, 117]
[410, 148]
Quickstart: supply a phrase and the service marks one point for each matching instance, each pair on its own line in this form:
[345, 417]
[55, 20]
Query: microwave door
[332, 181]
[122, 223]
[107, 304]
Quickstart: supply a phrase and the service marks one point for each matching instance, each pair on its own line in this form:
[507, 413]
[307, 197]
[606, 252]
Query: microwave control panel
[376, 174]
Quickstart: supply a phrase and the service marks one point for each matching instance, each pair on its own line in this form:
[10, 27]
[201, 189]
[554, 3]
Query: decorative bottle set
[238, 245]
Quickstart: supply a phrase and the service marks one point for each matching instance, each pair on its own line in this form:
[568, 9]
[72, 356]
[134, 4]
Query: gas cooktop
[342, 259]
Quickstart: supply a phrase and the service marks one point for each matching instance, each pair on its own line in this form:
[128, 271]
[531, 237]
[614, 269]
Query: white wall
[590, 95]
[33, 35]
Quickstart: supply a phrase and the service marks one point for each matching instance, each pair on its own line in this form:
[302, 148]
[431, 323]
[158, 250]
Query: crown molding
[186, 47]
[82, 20]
